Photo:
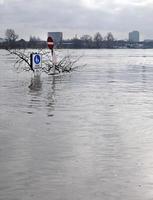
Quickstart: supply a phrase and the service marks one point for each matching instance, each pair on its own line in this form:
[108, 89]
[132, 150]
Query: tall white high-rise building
[134, 36]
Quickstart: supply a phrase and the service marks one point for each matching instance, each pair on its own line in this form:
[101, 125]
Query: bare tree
[34, 42]
[11, 36]
[22, 59]
[34, 39]
[87, 41]
[109, 39]
[98, 40]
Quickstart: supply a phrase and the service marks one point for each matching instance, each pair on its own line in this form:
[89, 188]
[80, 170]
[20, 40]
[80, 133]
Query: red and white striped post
[50, 43]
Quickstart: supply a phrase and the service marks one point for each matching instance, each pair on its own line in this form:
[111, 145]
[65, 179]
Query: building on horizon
[57, 37]
[148, 40]
[134, 36]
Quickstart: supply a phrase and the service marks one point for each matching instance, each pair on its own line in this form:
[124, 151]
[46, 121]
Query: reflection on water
[36, 94]
[85, 135]
[51, 97]
[36, 84]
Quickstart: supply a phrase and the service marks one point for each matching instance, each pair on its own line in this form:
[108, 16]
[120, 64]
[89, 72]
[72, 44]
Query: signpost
[50, 43]
[36, 61]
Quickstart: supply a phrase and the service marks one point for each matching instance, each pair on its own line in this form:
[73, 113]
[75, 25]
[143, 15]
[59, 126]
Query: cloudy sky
[37, 17]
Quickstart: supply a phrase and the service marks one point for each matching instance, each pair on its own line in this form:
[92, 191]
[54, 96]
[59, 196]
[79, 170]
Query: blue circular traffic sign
[37, 59]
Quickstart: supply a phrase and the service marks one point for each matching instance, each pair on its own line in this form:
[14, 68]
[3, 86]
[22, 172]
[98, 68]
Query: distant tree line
[99, 42]
[86, 41]
[11, 41]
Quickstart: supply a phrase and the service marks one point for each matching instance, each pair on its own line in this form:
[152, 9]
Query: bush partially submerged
[65, 64]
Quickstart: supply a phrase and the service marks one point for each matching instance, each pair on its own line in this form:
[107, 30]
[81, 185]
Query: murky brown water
[87, 135]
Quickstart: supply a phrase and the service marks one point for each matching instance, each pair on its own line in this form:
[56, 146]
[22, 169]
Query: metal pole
[52, 54]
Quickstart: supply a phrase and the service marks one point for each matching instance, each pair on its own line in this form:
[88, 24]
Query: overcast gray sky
[37, 17]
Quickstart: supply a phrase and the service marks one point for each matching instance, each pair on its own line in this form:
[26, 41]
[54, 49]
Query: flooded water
[86, 135]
